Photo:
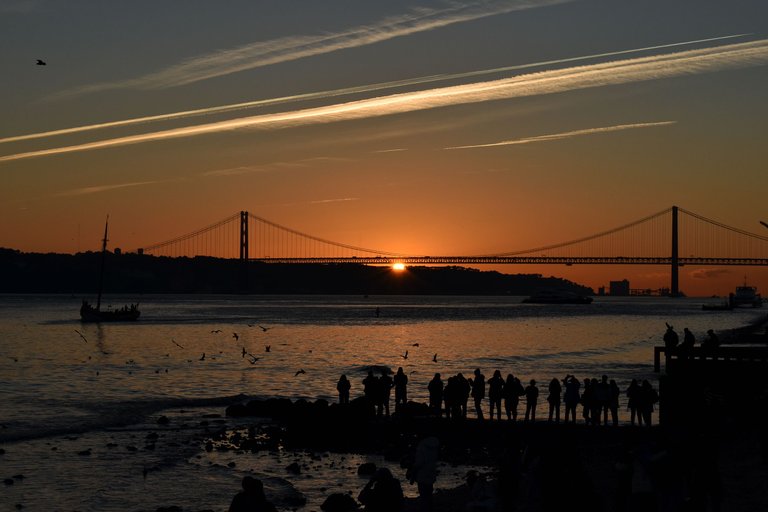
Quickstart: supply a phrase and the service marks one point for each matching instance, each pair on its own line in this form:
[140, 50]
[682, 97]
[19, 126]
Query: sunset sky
[442, 128]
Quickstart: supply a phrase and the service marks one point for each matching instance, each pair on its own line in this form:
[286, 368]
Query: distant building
[620, 288]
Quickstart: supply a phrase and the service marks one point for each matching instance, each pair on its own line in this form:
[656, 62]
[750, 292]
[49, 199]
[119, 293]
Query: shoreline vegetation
[144, 274]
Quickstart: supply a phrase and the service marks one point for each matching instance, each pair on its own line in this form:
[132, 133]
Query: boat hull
[90, 314]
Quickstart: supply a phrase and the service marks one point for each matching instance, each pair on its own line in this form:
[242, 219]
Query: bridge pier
[674, 288]
[243, 281]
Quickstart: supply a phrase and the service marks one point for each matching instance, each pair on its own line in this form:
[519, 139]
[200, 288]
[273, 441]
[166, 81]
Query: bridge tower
[244, 255]
[674, 285]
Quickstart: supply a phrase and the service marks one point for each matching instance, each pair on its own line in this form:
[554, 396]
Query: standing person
[571, 398]
[689, 340]
[251, 498]
[478, 392]
[554, 400]
[633, 400]
[435, 388]
[385, 387]
[648, 397]
[370, 385]
[343, 387]
[495, 392]
[424, 470]
[671, 338]
[613, 403]
[512, 391]
[401, 388]
[462, 392]
[531, 397]
[586, 401]
[712, 340]
[603, 399]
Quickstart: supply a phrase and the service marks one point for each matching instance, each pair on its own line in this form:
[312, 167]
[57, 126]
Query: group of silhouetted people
[599, 399]
[672, 340]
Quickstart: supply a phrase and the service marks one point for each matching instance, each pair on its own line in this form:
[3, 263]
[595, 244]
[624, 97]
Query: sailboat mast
[103, 260]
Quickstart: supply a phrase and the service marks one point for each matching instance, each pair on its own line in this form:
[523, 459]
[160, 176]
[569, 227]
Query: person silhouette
[554, 400]
[370, 385]
[478, 392]
[602, 400]
[531, 397]
[613, 402]
[401, 388]
[343, 387]
[648, 397]
[711, 342]
[571, 397]
[423, 471]
[435, 388]
[512, 391]
[382, 493]
[495, 393]
[462, 392]
[586, 401]
[671, 338]
[689, 340]
[633, 400]
[385, 387]
[251, 498]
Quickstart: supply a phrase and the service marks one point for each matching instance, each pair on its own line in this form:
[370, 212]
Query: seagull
[253, 358]
[244, 352]
[216, 331]
[405, 356]
[174, 342]
[267, 348]
[81, 335]
[202, 358]
[265, 329]
[299, 372]
[415, 345]
[41, 62]
[434, 358]
[236, 336]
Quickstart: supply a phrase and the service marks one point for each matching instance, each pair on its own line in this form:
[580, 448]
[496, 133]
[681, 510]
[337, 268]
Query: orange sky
[462, 129]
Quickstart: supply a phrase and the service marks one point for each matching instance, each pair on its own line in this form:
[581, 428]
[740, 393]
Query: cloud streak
[347, 91]
[566, 135]
[265, 53]
[655, 67]
[103, 188]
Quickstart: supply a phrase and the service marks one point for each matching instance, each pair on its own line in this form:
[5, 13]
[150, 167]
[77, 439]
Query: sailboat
[90, 313]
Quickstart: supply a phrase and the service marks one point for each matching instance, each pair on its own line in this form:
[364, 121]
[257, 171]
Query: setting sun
[399, 267]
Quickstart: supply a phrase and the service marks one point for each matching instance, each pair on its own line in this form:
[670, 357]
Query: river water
[76, 410]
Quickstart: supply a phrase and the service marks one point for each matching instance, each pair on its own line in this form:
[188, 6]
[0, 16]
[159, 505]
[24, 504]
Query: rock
[163, 420]
[338, 502]
[294, 468]
[366, 469]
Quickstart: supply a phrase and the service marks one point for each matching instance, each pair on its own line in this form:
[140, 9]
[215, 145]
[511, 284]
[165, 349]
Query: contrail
[566, 135]
[348, 90]
[103, 188]
[265, 53]
[690, 62]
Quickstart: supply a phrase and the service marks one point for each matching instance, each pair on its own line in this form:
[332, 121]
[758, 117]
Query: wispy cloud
[347, 91]
[708, 273]
[103, 188]
[566, 135]
[394, 150]
[626, 71]
[265, 53]
[341, 200]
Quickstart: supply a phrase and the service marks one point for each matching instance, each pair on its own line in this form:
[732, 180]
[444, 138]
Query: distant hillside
[133, 273]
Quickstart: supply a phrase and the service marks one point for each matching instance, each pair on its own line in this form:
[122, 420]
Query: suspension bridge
[673, 237]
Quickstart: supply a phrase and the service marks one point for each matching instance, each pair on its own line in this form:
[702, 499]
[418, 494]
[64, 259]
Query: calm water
[62, 394]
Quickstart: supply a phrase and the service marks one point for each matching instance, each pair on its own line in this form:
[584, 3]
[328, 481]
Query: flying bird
[216, 331]
[265, 329]
[236, 336]
[415, 345]
[299, 372]
[81, 335]
[268, 348]
[434, 358]
[174, 342]
[253, 358]
[41, 62]
[244, 352]
[764, 224]
[202, 358]
[405, 356]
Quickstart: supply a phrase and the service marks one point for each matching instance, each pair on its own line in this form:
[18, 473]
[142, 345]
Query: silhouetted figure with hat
[435, 388]
[343, 387]
[671, 339]
[401, 388]
[251, 498]
[382, 493]
[478, 392]
[495, 392]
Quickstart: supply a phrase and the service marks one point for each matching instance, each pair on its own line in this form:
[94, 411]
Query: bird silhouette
[244, 352]
[299, 372]
[202, 358]
[434, 358]
[41, 62]
[268, 348]
[265, 329]
[81, 335]
[174, 342]
[415, 345]
[253, 358]
[405, 356]
[236, 336]
[216, 331]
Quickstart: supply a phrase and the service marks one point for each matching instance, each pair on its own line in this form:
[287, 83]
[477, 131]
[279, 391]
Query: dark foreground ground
[541, 466]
